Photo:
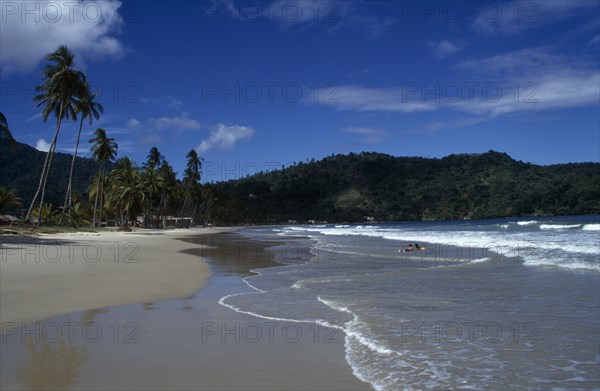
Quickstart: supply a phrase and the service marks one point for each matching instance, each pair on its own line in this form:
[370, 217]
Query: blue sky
[257, 85]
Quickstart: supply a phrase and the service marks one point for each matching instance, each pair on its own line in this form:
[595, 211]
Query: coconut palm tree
[4, 130]
[168, 185]
[125, 189]
[62, 86]
[104, 149]
[154, 158]
[87, 108]
[191, 180]
[8, 198]
[151, 179]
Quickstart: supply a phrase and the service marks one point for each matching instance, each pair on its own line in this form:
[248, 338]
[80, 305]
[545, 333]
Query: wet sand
[58, 274]
[189, 343]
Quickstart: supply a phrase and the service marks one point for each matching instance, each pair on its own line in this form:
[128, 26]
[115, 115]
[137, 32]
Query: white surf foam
[559, 226]
[591, 227]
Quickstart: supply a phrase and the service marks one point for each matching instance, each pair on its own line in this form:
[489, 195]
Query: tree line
[379, 187]
[119, 190]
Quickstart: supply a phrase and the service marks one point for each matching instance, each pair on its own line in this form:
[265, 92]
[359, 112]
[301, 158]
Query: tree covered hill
[21, 167]
[356, 187]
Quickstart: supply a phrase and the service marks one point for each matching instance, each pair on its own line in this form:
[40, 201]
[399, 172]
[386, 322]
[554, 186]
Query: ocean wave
[355, 328]
[553, 247]
[480, 260]
[559, 226]
[565, 264]
[531, 222]
[591, 227]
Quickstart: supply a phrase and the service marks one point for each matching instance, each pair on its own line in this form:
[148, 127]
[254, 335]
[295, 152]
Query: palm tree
[88, 109]
[5, 131]
[151, 180]
[8, 198]
[154, 158]
[103, 149]
[59, 92]
[191, 180]
[168, 185]
[125, 189]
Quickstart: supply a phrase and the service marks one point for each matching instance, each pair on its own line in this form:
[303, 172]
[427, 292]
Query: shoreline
[55, 274]
[188, 341]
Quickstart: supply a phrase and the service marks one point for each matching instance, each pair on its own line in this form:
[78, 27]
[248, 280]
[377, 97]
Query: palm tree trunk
[41, 185]
[39, 189]
[68, 195]
[101, 201]
[97, 193]
[161, 210]
[102, 183]
[52, 149]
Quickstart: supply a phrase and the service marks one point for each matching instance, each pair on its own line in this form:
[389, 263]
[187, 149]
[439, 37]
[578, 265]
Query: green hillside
[357, 186]
[21, 167]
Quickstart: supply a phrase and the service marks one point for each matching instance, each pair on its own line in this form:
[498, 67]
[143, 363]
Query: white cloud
[529, 80]
[174, 103]
[168, 101]
[534, 79]
[133, 123]
[513, 17]
[225, 137]
[330, 15]
[30, 30]
[594, 40]
[352, 97]
[42, 145]
[34, 117]
[370, 135]
[180, 122]
[444, 49]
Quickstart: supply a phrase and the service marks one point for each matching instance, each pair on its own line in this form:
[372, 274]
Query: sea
[485, 304]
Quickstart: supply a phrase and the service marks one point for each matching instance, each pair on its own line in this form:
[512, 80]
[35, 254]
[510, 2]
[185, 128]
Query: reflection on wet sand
[89, 315]
[232, 254]
[50, 365]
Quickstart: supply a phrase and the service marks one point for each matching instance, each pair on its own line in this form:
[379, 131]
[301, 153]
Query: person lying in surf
[410, 248]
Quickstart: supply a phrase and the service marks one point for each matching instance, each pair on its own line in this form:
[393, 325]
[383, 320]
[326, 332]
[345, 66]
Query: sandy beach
[58, 274]
[147, 317]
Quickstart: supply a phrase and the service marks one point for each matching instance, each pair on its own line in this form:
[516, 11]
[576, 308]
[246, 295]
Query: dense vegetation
[357, 187]
[21, 167]
[339, 188]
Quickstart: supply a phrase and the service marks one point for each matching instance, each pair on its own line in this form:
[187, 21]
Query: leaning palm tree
[61, 88]
[87, 108]
[104, 149]
[4, 130]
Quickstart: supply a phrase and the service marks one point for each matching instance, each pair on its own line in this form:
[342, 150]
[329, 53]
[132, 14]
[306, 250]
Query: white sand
[59, 274]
